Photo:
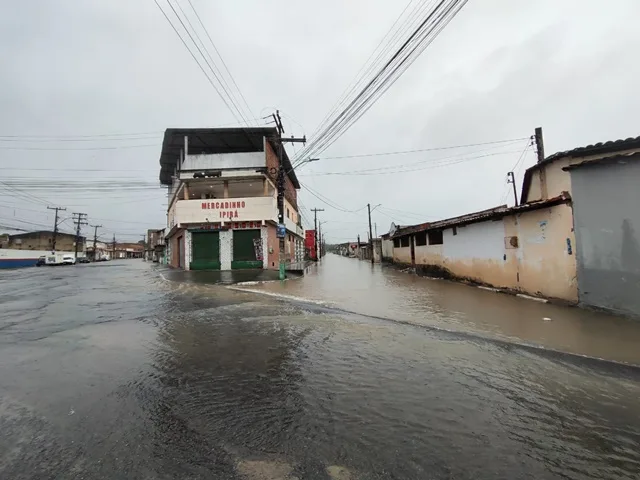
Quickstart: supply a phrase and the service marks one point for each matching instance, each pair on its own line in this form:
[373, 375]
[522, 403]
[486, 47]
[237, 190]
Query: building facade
[223, 206]
[573, 237]
[43, 240]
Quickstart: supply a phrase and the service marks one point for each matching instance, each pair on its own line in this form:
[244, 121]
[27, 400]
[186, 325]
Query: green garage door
[244, 251]
[205, 251]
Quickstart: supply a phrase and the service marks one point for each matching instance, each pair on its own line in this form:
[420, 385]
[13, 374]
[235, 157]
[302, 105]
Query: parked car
[83, 260]
[41, 261]
[68, 260]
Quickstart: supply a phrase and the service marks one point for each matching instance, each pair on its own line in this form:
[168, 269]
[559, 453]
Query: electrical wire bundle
[406, 40]
[227, 90]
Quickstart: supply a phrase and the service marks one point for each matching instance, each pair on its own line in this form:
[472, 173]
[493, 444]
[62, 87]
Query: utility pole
[539, 144]
[375, 229]
[281, 184]
[543, 174]
[113, 247]
[79, 219]
[511, 178]
[95, 239]
[315, 228]
[55, 226]
[370, 234]
[358, 247]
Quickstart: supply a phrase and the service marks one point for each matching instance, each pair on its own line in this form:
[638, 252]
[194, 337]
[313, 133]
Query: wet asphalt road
[112, 371]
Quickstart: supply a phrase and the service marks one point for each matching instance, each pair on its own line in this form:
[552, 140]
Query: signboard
[281, 232]
[225, 209]
[257, 246]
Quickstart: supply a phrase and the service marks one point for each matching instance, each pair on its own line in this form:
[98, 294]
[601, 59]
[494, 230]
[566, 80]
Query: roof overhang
[216, 141]
[482, 216]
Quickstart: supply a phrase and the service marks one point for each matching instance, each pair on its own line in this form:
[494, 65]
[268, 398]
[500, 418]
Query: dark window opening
[421, 239]
[396, 243]
[435, 237]
[404, 241]
[455, 230]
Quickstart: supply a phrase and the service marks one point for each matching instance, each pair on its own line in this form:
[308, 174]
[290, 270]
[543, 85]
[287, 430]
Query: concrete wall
[387, 250]
[558, 180]
[224, 160]
[607, 222]
[546, 261]
[540, 262]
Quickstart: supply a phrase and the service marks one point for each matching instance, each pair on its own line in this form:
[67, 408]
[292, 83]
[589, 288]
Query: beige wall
[545, 266]
[402, 255]
[540, 264]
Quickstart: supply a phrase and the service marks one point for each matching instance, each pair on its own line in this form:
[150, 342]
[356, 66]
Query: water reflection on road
[116, 373]
[386, 292]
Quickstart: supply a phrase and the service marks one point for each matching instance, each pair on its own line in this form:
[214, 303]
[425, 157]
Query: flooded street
[117, 371]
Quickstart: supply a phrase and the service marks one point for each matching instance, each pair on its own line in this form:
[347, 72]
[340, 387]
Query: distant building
[43, 240]
[155, 245]
[575, 236]
[223, 204]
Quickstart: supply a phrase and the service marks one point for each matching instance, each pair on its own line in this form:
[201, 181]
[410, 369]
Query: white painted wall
[225, 160]
[218, 210]
[479, 241]
[387, 249]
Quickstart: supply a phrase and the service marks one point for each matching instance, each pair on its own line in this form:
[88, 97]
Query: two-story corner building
[222, 208]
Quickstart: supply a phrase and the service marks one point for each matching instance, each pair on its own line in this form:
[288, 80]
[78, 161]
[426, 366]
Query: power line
[421, 37]
[196, 59]
[69, 149]
[402, 152]
[402, 168]
[223, 62]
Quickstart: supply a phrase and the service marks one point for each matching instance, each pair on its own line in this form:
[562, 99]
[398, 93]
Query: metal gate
[205, 251]
[246, 249]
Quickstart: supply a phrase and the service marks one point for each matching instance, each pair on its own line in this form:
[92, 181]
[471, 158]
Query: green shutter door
[205, 251]
[244, 253]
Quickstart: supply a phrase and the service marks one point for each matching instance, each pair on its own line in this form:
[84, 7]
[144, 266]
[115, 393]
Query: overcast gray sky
[500, 69]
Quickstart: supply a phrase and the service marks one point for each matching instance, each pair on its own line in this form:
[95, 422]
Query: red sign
[310, 243]
[225, 209]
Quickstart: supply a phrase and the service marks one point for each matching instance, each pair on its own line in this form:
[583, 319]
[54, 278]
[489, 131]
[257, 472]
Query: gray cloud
[500, 69]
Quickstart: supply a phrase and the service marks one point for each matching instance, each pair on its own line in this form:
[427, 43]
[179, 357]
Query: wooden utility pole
[315, 229]
[281, 185]
[95, 240]
[55, 226]
[79, 219]
[358, 247]
[370, 234]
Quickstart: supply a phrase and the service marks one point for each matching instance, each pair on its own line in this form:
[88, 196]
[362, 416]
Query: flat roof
[213, 141]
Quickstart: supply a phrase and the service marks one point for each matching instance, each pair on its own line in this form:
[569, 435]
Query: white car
[68, 260]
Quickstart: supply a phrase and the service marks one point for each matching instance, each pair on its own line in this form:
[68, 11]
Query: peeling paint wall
[527, 252]
[607, 221]
[547, 263]
[402, 255]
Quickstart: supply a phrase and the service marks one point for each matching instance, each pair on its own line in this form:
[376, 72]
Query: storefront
[247, 249]
[205, 250]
